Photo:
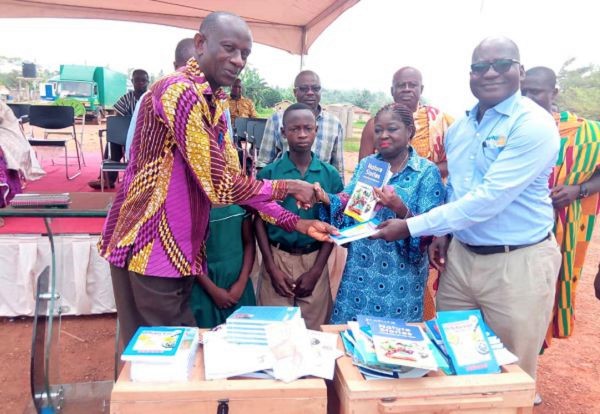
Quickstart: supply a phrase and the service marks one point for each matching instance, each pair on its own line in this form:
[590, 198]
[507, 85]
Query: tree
[254, 85]
[580, 90]
[270, 97]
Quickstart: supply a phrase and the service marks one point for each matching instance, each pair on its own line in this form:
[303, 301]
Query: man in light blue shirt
[502, 257]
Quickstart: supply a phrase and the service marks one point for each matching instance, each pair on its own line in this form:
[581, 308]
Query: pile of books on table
[162, 353]
[457, 342]
[268, 342]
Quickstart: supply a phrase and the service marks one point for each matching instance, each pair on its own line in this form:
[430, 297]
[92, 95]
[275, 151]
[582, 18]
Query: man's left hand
[391, 230]
[563, 195]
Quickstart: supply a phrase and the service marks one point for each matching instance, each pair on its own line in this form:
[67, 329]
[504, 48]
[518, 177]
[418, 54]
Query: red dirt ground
[569, 373]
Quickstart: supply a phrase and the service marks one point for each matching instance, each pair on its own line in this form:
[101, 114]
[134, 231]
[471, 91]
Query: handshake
[306, 194]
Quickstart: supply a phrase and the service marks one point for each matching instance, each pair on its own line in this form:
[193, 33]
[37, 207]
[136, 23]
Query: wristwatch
[583, 191]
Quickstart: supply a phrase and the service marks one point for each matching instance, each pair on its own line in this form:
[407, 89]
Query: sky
[360, 50]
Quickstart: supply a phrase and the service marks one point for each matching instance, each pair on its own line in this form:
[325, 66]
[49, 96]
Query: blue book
[361, 205]
[262, 315]
[466, 342]
[397, 343]
[154, 344]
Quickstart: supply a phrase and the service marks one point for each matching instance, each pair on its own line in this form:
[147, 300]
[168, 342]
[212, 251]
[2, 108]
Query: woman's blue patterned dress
[387, 279]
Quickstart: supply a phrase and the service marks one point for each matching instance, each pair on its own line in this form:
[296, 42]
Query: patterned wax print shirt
[185, 162]
[242, 107]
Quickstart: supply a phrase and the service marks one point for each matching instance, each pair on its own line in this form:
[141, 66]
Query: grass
[351, 144]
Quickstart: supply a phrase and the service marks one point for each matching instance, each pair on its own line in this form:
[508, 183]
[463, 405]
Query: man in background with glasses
[329, 143]
[501, 256]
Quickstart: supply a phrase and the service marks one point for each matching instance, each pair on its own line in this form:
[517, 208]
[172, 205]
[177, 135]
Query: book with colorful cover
[466, 342]
[262, 315]
[361, 205]
[162, 354]
[154, 344]
[397, 343]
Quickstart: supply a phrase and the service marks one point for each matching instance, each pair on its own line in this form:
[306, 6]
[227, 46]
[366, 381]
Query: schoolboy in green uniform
[294, 270]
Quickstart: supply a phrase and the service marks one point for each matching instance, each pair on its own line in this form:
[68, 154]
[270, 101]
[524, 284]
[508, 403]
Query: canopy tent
[291, 25]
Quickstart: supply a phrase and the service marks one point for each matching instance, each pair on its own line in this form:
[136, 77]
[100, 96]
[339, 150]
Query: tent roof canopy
[291, 25]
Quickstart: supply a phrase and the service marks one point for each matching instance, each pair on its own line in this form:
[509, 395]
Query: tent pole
[301, 62]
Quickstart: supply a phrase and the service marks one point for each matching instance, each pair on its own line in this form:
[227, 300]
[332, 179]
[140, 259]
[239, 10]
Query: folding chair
[52, 118]
[116, 133]
[80, 113]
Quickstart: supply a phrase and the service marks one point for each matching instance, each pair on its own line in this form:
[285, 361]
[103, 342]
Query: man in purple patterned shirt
[183, 162]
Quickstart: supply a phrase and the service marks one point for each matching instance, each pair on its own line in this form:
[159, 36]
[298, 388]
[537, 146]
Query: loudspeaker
[29, 70]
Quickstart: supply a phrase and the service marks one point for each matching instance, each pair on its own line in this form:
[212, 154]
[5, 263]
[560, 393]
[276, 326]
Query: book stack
[34, 200]
[292, 352]
[161, 353]
[247, 325]
[468, 343]
[386, 348]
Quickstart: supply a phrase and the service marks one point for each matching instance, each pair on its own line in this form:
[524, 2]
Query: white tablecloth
[83, 278]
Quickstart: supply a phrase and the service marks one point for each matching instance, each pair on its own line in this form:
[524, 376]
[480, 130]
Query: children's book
[356, 232]
[466, 342]
[397, 343]
[162, 353]
[361, 205]
[262, 315]
[154, 344]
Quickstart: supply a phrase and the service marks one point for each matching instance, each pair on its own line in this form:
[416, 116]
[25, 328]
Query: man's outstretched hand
[391, 230]
[316, 229]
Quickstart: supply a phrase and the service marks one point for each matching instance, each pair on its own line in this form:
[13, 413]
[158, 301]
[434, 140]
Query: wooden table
[243, 396]
[511, 391]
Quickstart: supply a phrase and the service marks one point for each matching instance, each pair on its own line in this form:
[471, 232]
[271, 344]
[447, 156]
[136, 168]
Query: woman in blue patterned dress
[387, 279]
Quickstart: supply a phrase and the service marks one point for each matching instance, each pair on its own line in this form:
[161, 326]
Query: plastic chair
[116, 133]
[52, 118]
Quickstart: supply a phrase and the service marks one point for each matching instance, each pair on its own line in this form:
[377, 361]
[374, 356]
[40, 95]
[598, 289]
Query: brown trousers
[515, 292]
[316, 308]
[150, 301]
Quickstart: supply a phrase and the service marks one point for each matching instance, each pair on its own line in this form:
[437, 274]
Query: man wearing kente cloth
[575, 183]
[431, 126]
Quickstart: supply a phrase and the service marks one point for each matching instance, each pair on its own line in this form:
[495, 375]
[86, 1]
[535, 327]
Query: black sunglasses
[499, 65]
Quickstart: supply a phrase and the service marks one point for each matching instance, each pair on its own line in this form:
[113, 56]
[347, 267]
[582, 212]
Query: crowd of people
[500, 204]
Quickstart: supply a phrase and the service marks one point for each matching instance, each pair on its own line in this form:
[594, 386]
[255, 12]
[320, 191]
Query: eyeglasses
[306, 88]
[499, 65]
